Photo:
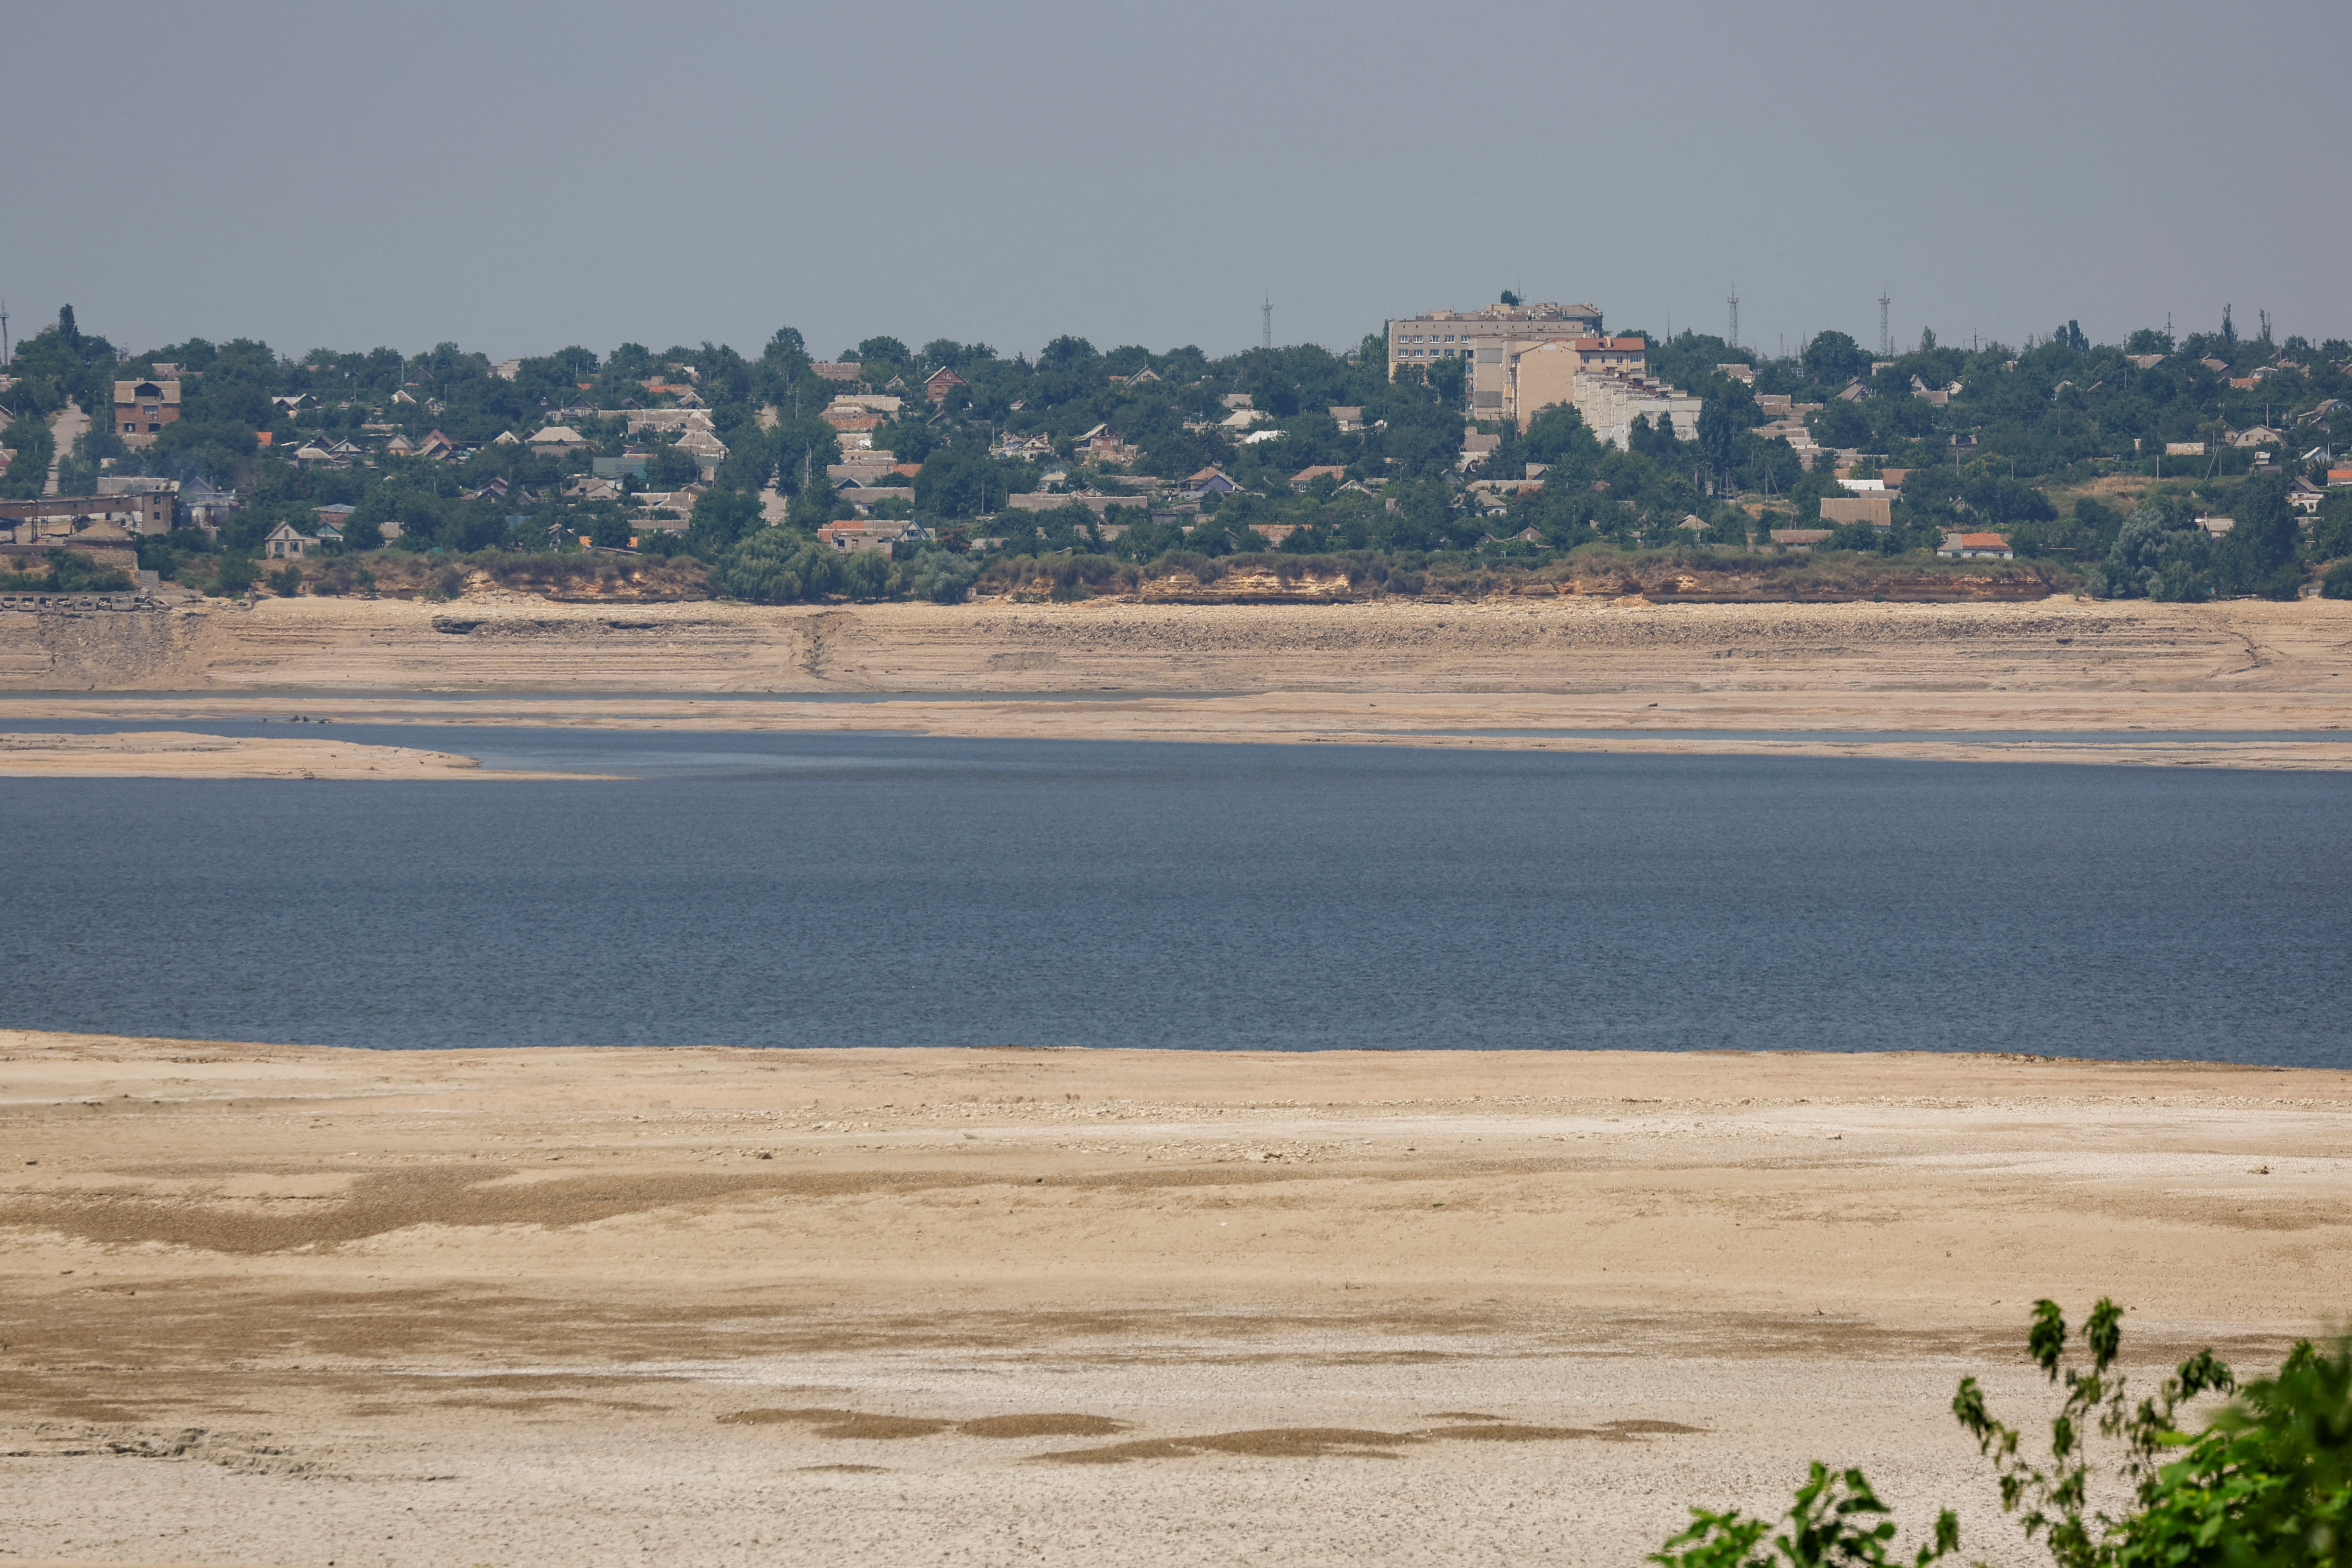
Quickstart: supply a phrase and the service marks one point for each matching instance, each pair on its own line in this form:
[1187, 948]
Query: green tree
[1832, 359]
[866, 575]
[2159, 553]
[940, 577]
[2331, 532]
[234, 575]
[957, 481]
[2259, 555]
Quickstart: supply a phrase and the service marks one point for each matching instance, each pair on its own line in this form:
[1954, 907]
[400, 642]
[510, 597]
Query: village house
[1350, 418]
[286, 543]
[1209, 481]
[705, 447]
[1877, 510]
[142, 409]
[1476, 447]
[1015, 447]
[1300, 480]
[851, 537]
[1102, 445]
[864, 500]
[554, 440]
[940, 383]
[1800, 538]
[1976, 547]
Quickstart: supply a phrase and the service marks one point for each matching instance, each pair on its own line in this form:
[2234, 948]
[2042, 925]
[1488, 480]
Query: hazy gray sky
[519, 177]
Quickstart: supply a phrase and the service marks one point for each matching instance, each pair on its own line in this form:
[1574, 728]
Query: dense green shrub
[69, 573]
[2266, 1484]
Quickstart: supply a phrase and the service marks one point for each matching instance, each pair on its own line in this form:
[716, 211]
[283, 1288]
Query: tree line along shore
[2169, 469]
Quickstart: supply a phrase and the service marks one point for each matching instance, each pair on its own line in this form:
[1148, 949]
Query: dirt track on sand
[292, 1305]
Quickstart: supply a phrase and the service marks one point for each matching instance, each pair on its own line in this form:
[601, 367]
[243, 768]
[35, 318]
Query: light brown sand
[1386, 673]
[281, 1305]
[175, 754]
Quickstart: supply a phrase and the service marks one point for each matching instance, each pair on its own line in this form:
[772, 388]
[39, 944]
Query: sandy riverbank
[1388, 673]
[279, 1304]
[176, 754]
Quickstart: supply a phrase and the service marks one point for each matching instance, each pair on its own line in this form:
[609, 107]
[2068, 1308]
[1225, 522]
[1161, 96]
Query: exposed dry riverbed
[279, 1305]
[1500, 673]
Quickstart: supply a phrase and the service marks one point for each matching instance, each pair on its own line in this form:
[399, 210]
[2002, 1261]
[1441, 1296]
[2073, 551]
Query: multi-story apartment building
[142, 409]
[1611, 400]
[1484, 338]
[1540, 374]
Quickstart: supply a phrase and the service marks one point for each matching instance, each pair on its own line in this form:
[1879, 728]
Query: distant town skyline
[519, 179]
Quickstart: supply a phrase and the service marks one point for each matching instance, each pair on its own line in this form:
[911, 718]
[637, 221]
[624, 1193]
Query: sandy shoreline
[182, 755]
[485, 1306]
[1954, 680]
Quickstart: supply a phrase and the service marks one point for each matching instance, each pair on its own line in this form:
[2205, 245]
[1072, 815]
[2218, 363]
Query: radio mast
[1735, 315]
[1266, 334]
[1885, 342]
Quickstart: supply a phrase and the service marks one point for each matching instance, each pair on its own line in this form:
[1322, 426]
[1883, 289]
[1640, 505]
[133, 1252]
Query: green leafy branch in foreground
[2267, 1484]
[2055, 1502]
[1829, 1522]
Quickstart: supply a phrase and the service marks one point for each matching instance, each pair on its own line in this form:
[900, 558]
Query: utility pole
[1885, 342]
[1733, 302]
[1266, 334]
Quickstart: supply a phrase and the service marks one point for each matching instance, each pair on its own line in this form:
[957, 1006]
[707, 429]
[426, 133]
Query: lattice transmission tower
[1734, 301]
[1265, 328]
[1885, 338]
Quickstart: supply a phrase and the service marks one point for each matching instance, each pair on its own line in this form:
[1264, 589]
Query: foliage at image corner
[2267, 1483]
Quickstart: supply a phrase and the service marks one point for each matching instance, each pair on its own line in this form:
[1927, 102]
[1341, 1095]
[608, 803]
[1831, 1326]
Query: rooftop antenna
[1266, 331]
[1886, 340]
[1735, 315]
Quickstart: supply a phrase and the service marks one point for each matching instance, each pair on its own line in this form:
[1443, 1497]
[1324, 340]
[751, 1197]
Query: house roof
[1976, 541]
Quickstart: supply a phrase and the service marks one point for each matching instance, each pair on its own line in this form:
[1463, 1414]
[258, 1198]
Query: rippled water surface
[877, 889]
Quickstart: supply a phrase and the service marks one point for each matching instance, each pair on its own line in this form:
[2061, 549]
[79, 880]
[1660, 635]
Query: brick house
[142, 409]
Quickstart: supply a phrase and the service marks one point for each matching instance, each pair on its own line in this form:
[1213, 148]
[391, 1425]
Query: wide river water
[828, 890]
